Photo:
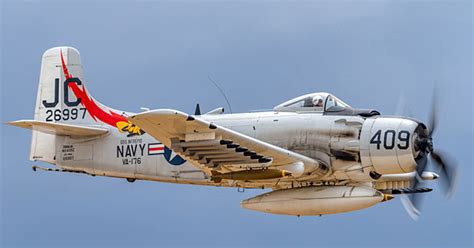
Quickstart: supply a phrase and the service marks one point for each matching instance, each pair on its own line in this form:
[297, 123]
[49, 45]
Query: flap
[59, 128]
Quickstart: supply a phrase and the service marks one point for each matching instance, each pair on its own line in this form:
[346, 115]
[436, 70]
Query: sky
[159, 54]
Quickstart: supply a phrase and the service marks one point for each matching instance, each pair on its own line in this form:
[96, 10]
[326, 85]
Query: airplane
[316, 153]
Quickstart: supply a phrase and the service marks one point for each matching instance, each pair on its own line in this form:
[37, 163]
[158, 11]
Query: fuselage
[117, 155]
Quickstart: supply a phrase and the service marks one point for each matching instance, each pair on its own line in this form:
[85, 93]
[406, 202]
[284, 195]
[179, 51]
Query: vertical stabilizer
[51, 99]
[63, 98]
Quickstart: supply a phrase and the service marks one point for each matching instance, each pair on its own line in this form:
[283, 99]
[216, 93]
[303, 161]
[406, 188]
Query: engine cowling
[387, 145]
[316, 200]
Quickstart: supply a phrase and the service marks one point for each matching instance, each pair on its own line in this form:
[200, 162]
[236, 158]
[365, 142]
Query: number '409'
[389, 139]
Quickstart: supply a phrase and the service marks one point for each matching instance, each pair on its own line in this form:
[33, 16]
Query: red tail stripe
[93, 109]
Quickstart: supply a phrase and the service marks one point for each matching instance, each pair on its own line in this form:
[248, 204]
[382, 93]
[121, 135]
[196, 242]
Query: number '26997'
[65, 114]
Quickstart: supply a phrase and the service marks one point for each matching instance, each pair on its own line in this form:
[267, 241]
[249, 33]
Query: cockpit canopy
[314, 102]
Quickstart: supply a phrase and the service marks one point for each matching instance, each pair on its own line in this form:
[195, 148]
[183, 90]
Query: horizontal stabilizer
[59, 128]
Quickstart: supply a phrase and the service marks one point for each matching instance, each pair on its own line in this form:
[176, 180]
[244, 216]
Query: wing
[212, 147]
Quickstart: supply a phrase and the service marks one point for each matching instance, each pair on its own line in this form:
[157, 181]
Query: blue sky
[159, 55]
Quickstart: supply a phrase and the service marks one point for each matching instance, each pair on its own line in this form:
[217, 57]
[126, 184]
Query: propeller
[426, 152]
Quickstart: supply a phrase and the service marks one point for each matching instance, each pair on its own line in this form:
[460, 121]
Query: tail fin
[52, 98]
[63, 98]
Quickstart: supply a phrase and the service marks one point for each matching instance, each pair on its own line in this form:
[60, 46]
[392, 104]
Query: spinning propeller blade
[447, 166]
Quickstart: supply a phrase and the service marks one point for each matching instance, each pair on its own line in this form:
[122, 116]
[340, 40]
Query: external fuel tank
[315, 200]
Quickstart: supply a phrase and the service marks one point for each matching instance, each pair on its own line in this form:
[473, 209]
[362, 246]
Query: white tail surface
[63, 98]
[50, 99]
[56, 102]
[60, 129]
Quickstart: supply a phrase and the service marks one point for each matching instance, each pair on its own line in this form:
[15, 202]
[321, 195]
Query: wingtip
[16, 123]
[11, 123]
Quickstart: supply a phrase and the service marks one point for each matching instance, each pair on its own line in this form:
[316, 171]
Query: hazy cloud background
[159, 54]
